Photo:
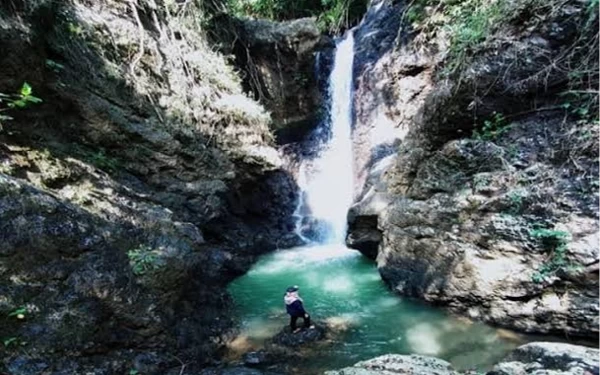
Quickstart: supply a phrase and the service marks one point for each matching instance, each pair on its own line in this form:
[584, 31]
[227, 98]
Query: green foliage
[515, 199]
[492, 128]
[592, 11]
[480, 181]
[9, 341]
[415, 14]
[103, 161]
[550, 238]
[75, 29]
[581, 104]
[472, 22]
[20, 100]
[56, 67]
[133, 372]
[17, 312]
[143, 260]
[332, 15]
[467, 24]
[98, 158]
[554, 241]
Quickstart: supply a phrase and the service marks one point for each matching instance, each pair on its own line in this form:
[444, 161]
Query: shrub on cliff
[21, 99]
[332, 15]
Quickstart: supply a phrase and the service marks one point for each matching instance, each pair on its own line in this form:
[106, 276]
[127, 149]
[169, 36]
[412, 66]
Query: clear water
[343, 289]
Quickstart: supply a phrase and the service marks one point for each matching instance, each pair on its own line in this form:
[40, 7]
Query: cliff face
[278, 61]
[142, 184]
[476, 164]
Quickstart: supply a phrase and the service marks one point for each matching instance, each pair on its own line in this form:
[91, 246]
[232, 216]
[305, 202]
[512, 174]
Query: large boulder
[398, 364]
[540, 358]
[467, 235]
[306, 336]
[545, 358]
[236, 370]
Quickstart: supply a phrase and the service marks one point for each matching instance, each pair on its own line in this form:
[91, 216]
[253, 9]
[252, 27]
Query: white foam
[330, 186]
[388, 301]
[339, 284]
[423, 338]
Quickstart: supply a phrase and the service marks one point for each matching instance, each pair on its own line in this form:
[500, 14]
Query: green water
[343, 288]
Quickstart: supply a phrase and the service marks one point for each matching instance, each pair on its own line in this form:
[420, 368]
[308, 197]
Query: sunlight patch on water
[423, 339]
[339, 284]
[388, 301]
[342, 322]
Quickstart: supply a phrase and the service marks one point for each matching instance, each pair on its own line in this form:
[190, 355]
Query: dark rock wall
[143, 183]
[278, 61]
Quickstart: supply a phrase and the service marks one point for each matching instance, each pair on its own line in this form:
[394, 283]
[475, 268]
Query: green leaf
[26, 90]
[54, 65]
[9, 341]
[33, 99]
[20, 310]
[20, 103]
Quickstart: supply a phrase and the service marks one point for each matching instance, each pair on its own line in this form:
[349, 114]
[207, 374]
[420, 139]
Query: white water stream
[329, 186]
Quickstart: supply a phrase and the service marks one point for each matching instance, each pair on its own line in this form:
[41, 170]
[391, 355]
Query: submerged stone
[306, 336]
[258, 358]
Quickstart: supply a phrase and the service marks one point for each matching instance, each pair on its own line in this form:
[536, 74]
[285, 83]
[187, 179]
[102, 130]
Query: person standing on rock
[295, 308]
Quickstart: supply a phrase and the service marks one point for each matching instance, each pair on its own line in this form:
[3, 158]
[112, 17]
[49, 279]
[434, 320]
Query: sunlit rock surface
[451, 216]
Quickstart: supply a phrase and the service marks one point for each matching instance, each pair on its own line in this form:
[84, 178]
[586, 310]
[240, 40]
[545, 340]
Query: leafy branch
[20, 100]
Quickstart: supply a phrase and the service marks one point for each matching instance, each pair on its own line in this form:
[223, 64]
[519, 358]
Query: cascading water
[340, 287]
[328, 188]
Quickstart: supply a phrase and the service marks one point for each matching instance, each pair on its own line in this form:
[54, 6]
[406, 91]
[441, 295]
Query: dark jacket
[295, 308]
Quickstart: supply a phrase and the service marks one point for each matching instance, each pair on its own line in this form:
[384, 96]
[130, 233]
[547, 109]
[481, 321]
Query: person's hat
[292, 289]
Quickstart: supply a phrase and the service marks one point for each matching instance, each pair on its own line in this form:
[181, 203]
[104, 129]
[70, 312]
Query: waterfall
[328, 184]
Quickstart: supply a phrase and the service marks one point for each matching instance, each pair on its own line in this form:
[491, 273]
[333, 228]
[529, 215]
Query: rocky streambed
[292, 353]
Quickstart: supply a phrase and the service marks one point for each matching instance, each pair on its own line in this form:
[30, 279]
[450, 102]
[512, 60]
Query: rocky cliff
[278, 61]
[143, 182]
[477, 159]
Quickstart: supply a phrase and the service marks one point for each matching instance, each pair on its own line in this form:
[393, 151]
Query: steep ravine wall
[142, 184]
[478, 181]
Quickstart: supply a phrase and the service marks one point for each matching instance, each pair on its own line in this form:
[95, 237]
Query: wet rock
[148, 363]
[232, 371]
[398, 364]
[304, 337]
[549, 358]
[258, 358]
[364, 236]
[26, 366]
[238, 370]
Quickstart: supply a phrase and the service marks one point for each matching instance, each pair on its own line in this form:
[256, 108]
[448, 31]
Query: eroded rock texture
[142, 184]
[498, 224]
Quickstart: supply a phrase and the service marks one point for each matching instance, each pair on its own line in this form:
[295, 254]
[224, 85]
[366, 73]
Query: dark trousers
[294, 319]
